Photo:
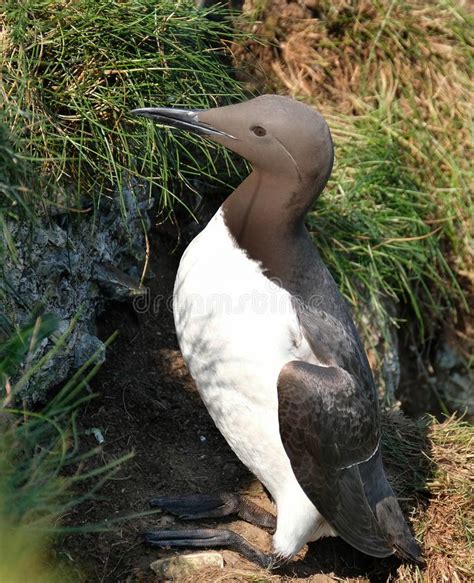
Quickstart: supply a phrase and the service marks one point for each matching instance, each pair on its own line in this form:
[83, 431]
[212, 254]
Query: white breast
[236, 330]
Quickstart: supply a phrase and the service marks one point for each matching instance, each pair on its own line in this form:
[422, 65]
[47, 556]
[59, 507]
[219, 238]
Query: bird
[274, 351]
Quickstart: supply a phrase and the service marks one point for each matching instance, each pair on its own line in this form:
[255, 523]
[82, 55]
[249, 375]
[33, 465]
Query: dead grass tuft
[230, 576]
[346, 54]
[445, 526]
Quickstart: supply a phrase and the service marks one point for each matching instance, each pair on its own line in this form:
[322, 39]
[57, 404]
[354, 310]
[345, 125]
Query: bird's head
[275, 134]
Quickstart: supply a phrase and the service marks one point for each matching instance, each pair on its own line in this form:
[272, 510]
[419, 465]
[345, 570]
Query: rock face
[68, 266]
[380, 339]
[454, 376]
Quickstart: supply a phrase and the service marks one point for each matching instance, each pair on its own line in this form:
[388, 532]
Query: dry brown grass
[253, 576]
[354, 52]
[446, 526]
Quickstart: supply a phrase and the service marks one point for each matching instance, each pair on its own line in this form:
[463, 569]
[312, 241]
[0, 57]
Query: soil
[147, 404]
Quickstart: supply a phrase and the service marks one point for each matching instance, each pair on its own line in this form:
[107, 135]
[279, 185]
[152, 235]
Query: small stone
[181, 565]
[97, 433]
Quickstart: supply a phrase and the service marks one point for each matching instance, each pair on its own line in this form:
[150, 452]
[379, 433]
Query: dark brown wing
[330, 430]
[326, 428]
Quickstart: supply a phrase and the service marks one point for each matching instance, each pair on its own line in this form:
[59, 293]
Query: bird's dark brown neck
[265, 215]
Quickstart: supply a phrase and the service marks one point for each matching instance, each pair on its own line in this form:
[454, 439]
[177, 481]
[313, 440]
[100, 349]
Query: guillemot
[273, 348]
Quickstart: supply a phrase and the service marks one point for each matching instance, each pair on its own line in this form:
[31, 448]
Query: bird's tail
[387, 511]
[392, 524]
[367, 514]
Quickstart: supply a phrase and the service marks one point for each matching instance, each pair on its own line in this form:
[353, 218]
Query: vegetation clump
[71, 71]
[393, 79]
[445, 525]
[40, 461]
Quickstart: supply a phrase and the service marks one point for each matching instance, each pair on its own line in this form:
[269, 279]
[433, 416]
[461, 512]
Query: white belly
[236, 330]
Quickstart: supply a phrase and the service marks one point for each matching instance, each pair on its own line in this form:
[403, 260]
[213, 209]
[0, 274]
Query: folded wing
[330, 431]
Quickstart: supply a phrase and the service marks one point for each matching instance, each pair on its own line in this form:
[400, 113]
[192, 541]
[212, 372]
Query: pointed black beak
[183, 119]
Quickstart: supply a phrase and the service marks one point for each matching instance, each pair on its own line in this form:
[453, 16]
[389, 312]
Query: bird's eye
[259, 131]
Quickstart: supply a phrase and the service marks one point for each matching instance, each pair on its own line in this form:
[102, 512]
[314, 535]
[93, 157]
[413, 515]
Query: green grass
[13, 190]
[379, 229]
[15, 178]
[40, 462]
[72, 71]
